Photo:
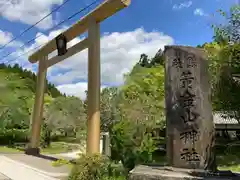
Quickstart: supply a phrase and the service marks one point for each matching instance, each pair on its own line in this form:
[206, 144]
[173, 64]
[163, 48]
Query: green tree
[66, 115]
[229, 31]
[107, 107]
[142, 96]
[224, 56]
[139, 111]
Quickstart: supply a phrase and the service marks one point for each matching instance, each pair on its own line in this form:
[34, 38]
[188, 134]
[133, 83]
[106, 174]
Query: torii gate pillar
[37, 111]
[93, 109]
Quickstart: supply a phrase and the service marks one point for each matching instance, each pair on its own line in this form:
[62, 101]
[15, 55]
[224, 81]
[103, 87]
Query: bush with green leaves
[132, 144]
[95, 167]
[11, 136]
[45, 136]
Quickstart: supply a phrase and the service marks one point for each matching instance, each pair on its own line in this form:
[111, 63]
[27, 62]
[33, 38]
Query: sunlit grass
[229, 162]
[54, 148]
[5, 149]
[234, 168]
[59, 147]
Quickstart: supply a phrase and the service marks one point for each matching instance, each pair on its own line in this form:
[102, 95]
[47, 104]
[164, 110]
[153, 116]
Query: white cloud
[120, 51]
[29, 11]
[185, 4]
[6, 37]
[77, 89]
[199, 12]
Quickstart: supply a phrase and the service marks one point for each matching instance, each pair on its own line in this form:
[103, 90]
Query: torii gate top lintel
[103, 11]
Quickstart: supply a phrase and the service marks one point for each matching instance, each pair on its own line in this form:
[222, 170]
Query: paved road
[3, 177]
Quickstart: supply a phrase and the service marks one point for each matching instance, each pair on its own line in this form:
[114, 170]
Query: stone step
[18, 170]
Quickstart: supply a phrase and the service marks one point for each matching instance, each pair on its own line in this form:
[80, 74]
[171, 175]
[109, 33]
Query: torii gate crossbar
[90, 22]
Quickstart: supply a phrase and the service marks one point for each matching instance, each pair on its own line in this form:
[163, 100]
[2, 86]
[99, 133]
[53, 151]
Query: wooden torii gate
[91, 23]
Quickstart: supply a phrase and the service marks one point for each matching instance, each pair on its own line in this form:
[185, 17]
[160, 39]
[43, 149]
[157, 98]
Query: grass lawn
[229, 162]
[5, 149]
[60, 147]
[55, 148]
[228, 158]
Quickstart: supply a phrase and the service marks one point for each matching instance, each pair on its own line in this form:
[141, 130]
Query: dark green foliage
[11, 136]
[45, 136]
[144, 61]
[201, 46]
[158, 59]
[132, 144]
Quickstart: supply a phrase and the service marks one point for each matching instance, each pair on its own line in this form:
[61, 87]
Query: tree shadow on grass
[229, 158]
[46, 157]
[53, 158]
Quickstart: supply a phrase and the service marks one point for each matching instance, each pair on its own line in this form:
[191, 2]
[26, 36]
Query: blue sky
[143, 27]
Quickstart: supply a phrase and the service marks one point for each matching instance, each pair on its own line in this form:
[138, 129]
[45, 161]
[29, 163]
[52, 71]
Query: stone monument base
[144, 172]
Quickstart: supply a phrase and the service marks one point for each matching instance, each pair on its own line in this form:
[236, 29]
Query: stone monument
[190, 128]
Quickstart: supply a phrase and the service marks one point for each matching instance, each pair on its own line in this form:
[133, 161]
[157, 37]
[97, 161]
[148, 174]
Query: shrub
[96, 167]
[132, 144]
[115, 178]
[89, 168]
[11, 136]
[45, 139]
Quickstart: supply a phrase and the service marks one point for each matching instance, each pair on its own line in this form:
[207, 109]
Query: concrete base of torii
[32, 151]
[144, 172]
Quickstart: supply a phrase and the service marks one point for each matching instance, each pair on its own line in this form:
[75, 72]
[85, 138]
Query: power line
[63, 21]
[30, 27]
[26, 52]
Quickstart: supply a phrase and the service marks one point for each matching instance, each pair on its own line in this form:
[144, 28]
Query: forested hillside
[17, 90]
[28, 77]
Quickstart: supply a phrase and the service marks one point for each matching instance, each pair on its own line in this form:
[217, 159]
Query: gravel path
[74, 154]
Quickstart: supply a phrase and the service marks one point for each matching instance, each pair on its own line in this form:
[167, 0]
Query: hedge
[11, 136]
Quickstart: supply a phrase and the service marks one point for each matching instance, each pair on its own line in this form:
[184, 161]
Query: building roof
[220, 118]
